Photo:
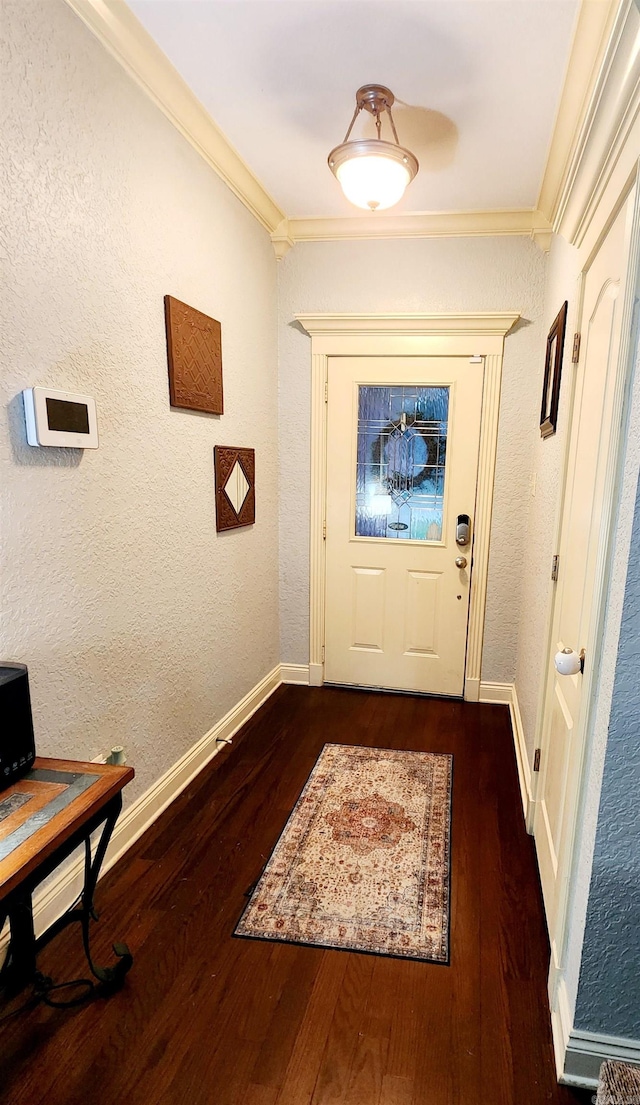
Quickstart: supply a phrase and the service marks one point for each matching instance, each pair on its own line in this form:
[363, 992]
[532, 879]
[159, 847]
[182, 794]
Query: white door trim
[456, 335]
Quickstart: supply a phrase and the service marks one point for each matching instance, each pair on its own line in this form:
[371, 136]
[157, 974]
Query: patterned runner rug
[363, 861]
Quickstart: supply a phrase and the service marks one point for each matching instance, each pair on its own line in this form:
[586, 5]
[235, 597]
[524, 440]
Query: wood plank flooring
[207, 1019]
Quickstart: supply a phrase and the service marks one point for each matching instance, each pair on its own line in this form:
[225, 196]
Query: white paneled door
[402, 462]
[581, 560]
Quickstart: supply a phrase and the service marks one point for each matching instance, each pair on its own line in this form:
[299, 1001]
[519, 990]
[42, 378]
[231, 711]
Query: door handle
[569, 662]
[461, 561]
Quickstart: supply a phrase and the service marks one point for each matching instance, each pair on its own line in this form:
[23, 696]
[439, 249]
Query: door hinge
[323, 654]
[536, 760]
[324, 530]
[326, 391]
[555, 564]
[575, 356]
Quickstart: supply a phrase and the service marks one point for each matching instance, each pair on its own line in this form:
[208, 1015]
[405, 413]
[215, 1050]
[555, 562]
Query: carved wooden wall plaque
[194, 352]
[235, 487]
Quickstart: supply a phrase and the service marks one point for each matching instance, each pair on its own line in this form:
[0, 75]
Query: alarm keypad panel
[61, 419]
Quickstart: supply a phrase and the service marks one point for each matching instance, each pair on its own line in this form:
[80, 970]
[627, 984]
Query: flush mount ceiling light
[373, 173]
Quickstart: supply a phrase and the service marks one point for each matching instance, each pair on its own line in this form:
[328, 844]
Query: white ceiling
[478, 80]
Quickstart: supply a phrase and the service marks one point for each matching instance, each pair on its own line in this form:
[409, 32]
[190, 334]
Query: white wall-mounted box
[60, 418]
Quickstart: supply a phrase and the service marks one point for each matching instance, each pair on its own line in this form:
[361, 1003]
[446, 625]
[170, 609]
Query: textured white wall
[456, 274]
[138, 623]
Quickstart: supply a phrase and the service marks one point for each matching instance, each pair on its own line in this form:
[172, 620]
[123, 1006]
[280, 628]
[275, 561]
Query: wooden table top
[46, 806]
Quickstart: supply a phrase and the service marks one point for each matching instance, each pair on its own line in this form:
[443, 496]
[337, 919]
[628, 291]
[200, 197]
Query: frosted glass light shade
[373, 182]
[373, 174]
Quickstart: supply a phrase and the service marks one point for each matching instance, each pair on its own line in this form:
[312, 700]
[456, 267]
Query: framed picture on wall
[194, 353]
[235, 473]
[552, 374]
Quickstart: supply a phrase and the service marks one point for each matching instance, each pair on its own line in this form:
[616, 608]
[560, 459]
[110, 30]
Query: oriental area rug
[363, 861]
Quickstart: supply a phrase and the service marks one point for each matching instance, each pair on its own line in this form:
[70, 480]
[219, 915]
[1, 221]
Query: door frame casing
[444, 335]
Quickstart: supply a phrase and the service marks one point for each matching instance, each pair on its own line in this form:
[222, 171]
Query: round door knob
[568, 662]
[461, 561]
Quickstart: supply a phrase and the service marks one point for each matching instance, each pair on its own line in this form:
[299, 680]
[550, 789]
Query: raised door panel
[561, 729]
[367, 610]
[421, 613]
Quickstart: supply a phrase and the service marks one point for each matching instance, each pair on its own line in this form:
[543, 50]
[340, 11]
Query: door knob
[461, 561]
[568, 662]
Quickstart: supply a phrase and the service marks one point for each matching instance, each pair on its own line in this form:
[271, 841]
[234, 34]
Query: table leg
[110, 977]
[19, 967]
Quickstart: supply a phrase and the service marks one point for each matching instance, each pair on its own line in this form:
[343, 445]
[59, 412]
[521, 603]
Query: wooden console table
[43, 817]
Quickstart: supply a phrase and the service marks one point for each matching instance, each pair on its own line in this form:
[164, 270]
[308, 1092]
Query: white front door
[581, 538]
[402, 460]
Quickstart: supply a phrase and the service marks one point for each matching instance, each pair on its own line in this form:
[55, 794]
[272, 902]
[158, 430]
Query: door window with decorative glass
[401, 461]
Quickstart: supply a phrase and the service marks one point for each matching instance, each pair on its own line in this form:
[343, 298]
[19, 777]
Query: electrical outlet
[113, 756]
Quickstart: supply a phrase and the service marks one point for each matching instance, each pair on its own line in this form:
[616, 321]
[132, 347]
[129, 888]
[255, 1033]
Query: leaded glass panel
[400, 472]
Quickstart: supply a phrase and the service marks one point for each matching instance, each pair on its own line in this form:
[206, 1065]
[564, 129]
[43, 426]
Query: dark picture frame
[235, 500]
[553, 373]
[194, 355]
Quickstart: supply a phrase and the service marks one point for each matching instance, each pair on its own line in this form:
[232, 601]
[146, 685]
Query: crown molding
[604, 163]
[481, 323]
[121, 33]
[426, 224]
[282, 240]
[117, 28]
[595, 54]
[593, 30]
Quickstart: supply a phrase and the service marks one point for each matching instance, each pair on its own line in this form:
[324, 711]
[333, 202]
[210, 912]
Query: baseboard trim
[58, 894]
[560, 1023]
[316, 675]
[506, 693]
[580, 1054]
[295, 673]
[497, 693]
[587, 1051]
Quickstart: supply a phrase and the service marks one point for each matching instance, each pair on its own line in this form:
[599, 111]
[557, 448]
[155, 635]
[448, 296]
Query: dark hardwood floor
[207, 1019]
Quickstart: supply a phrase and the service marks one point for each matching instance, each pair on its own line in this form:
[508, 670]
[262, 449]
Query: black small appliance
[17, 743]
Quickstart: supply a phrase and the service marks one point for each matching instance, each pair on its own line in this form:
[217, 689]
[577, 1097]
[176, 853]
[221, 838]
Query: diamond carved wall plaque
[194, 353]
[235, 471]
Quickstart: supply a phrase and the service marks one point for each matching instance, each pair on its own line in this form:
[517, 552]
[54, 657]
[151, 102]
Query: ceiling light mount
[375, 98]
[373, 173]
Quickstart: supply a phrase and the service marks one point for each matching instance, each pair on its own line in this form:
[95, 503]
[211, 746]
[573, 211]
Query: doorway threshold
[392, 690]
